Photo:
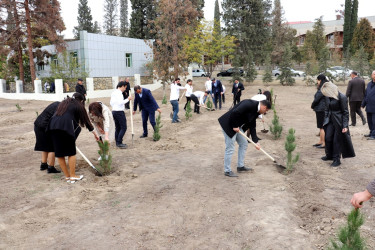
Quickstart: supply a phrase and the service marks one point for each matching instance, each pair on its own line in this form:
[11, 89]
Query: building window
[301, 40]
[128, 60]
[40, 66]
[54, 60]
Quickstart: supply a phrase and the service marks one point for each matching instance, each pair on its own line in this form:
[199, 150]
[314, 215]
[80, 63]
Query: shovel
[87, 160]
[131, 117]
[279, 167]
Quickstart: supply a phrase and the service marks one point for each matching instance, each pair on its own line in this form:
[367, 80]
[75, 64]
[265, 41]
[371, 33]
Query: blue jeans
[145, 116]
[229, 150]
[120, 124]
[175, 110]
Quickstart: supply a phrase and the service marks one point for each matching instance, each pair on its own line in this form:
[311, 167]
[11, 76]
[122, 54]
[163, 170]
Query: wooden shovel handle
[264, 152]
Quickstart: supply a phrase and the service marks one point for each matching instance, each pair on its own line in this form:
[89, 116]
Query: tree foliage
[68, 68]
[315, 40]
[364, 37]
[217, 26]
[105, 158]
[276, 128]
[110, 17]
[142, 25]
[124, 23]
[290, 146]
[286, 76]
[360, 62]
[267, 77]
[84, 19]
[156, 136]
[350, 22]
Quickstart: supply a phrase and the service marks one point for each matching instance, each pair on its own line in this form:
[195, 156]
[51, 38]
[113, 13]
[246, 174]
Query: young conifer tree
[188, 111]
[105, 157]
[209, 103]
[164, 100]
[290, 146]
[157, 128]
[276, 128]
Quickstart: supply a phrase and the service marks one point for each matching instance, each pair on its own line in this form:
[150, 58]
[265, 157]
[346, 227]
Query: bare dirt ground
[172, 194]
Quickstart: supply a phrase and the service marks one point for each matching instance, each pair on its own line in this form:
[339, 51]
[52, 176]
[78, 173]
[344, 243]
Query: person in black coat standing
[240, 118]
[81, 89]
[318, 105]
[369, 103]
[336, 119]
[356, 92]
[217, 91]
[237, 91]
[126, 93]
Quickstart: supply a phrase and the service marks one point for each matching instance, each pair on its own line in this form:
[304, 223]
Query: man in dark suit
[356, 92]
[147, 105]
[242, 117]
[237, 91]
[80, 88]
[217, 91]
[369, 103]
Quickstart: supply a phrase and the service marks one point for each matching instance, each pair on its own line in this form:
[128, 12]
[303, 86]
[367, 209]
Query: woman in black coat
[318, 105]
[336, 119]
[65, 128]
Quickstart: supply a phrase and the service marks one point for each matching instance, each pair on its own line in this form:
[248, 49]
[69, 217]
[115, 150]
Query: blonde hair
[330, 90]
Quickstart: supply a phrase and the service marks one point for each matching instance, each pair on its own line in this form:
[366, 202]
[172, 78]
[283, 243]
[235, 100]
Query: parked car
[230, 72]
[339, 71]
[199, 72]
[277, 72]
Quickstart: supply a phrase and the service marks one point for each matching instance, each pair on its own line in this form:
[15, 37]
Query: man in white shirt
[208, 86]
[175, 95]
[197, 97]
[189, 91]
[118, 105]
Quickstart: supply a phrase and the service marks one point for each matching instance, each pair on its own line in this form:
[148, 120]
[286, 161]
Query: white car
[336, 71]
[199, 72]
[277, 72]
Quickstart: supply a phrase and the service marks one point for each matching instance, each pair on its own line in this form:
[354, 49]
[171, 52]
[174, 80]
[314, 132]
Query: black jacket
[43, 119]
[125, 94]
[356, 89]
[81, 89]
[244, 115]
[369, 100]
[218, 88]
[337, 113]
[235, 89]
[319, 103]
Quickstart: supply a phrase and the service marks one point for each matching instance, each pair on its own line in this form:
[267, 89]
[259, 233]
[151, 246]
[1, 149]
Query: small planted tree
[290, 146]
[19, 108]
[157, 127]
[164, 100]
[105, 157]
[276, 128]
[349, 236]
[209, 103]
[188, 111]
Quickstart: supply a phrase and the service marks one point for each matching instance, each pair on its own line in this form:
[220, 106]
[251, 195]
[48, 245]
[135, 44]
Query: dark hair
[354, 73]
[322, 78]
[121, 84]
[96, 109]
[84, 120]
[189, 80]
[177, 79]
[266, 103]
[213, 79]
[79, 97]
[136, 87]
[79, 79]
[268, 96]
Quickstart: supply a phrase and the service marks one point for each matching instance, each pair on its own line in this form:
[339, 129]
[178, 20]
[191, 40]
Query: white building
[103, 55]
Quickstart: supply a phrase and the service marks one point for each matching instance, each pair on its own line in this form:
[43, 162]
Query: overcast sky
[295, 10]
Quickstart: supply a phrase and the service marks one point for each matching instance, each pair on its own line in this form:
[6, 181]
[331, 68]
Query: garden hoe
[279, 167]
[131, 116]
[87, 160]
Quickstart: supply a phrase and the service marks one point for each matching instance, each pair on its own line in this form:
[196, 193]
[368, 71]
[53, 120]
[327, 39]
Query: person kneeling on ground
[240, 118]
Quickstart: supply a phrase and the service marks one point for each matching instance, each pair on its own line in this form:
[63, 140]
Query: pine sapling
[157, 127]
[19, 107]
[188, 111]
[164, 100]
[349, 236]
[290, 146]
[209, 103]
[105, 157]
[276, 128]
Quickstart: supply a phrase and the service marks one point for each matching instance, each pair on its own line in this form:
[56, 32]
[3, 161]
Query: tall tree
[217, 26]
[315, 40]
[110, 17]
[84, 19]
[176, 20]
[353, 20]
[364, 37]
[124, 24]
[350, 21]
[141, 21]
[248, 21]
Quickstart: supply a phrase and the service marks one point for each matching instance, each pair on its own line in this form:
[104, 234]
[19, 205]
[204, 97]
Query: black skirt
[64, 144]
[43, 140]
[319, 119]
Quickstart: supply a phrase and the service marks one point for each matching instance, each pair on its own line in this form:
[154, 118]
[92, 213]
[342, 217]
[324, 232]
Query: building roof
[330, 26]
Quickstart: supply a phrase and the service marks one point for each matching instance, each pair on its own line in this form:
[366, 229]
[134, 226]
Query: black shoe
[371, 138]
[369, 135]
[316, 145]
[352, 125]
[53, 170]
[43, 166]
[326, 158]
[122, 146]
[320, 146]
[230, 174]
[244, 169]
[336, 163]
[143, 136]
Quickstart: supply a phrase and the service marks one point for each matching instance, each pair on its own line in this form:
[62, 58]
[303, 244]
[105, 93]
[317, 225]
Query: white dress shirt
[189, 90]
[200, 96]
[259, 97]
[117, 100]
[175, 92]
[208, 85]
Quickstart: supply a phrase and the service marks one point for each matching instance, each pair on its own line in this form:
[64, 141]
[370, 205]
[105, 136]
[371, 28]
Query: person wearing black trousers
[356, 92]
[126, 93]
[237, 91]
[81, 89]
[217, 91]
[336, 119]
[369, 103]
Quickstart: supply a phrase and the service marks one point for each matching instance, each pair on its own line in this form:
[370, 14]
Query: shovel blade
[264, 131]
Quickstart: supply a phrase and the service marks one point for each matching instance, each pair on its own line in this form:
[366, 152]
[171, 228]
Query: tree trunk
[29, 41]
[18, 39]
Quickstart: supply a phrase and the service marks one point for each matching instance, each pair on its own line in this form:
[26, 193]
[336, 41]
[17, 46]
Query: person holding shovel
[240, 118]
[101, 117]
